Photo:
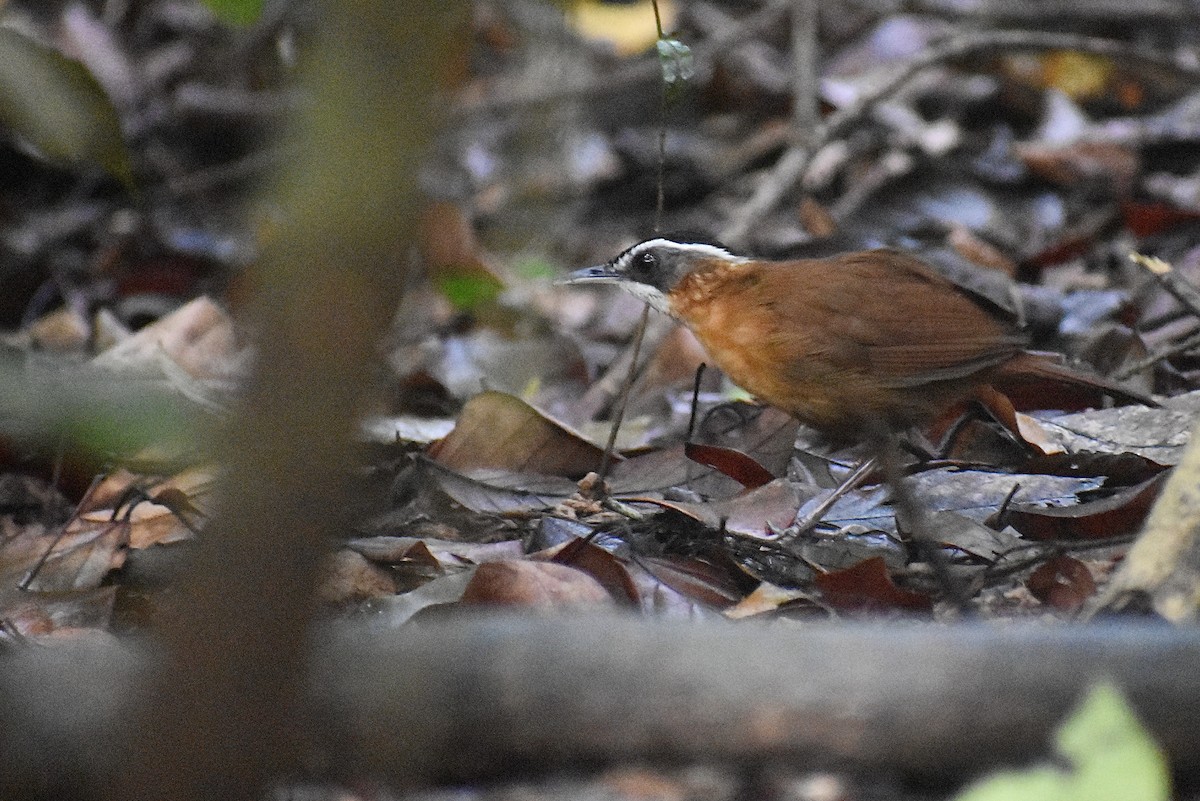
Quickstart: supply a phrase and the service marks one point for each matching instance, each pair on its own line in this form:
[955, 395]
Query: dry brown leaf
[500, 431]
[1064, 583]
[152, 523]
[1112, 516]
[61, 330]
[764, 599]
[198, 337]
[601, 565]
[78, 559]
[536, 584]
[867, 586]
[350, 578]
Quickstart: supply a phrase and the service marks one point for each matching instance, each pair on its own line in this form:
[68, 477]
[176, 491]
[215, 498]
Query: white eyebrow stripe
[700, 249]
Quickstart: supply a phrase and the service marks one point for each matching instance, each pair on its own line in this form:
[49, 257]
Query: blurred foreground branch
[220, 720]
[478, 698]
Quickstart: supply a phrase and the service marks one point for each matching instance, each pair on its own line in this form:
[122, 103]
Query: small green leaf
[236, 12]
[1112, 757]
[467, 292]
[56, 105]
[536, 269]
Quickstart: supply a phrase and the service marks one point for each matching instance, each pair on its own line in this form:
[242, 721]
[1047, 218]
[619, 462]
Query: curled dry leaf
[582, 554]
[764, 599]
[750, 514]
[713, 583]
[502, 492]
[1157, 434]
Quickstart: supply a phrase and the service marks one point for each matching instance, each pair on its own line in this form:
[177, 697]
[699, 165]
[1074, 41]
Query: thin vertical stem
[640, 333]
[805, 109]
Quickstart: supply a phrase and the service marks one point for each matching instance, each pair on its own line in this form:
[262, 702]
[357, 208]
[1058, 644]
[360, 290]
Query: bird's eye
[646, 262]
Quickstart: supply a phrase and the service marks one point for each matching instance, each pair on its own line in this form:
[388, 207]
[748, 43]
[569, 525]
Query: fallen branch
[483, 698]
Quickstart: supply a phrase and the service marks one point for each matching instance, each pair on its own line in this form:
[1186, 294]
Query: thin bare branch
[791, 167]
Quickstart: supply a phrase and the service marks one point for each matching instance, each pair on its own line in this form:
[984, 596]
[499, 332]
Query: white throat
[653, 297]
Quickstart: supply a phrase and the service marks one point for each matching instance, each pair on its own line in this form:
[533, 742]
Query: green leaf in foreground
[236, 12]
[468, 291]
[56, 105]
[1112, 758]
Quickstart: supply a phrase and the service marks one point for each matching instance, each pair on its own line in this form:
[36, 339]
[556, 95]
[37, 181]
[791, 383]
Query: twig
[638, 337]
[1043, 551]
[893, 165]
[795, 161]
[1183, 346]
[640, 334]
[912, 515]
[1006, 11]
[33, 571]
[608, 386]
[1181, 289]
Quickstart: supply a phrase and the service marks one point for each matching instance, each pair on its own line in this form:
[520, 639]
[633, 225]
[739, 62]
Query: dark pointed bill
[603, 274]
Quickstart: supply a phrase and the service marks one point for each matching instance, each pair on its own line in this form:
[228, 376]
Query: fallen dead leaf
[533, 584]
[198, 337]
[1063, 582]
[350, 578]
[1117, 514]
[867, 587]
[502, 432]
[601, 565]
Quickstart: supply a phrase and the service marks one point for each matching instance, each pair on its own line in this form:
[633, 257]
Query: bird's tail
[1020, 374]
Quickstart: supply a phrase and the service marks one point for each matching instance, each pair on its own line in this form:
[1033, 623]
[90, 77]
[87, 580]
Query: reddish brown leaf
[1119, 513]
[1148, 218]
[735, 464]
[867, 587]
[601, 565]
[1064, 583]
[1108, 164]
[714, 584]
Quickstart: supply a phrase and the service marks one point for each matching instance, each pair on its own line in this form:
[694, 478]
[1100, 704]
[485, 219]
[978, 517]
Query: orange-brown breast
[843, 343]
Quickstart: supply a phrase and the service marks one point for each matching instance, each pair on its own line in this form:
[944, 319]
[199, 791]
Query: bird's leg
[915, 518]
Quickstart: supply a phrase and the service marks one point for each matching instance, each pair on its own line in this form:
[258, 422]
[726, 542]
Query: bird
[858, 345]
